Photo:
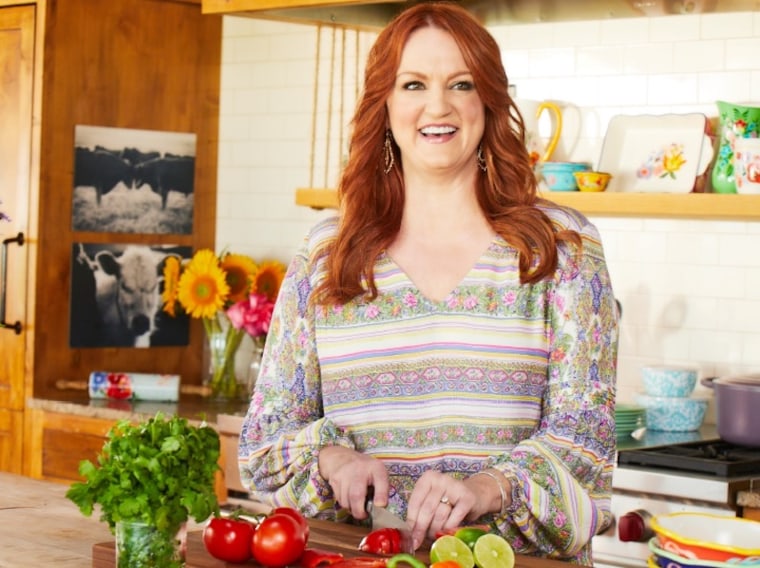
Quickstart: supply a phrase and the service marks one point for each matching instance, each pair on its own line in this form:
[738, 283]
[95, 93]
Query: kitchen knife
[382, 518]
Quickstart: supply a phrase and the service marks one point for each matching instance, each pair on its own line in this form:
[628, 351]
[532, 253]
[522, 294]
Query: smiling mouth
[437, 130]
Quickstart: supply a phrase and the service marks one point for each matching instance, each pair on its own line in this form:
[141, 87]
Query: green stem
[223, 380]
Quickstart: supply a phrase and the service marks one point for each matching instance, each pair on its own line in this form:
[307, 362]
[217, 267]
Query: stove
[697, 476]
[712, 457]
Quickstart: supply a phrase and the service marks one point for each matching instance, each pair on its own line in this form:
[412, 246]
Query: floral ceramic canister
[736, 121]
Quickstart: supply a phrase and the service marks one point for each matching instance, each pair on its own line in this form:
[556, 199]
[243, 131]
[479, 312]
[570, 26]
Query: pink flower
[253, 315]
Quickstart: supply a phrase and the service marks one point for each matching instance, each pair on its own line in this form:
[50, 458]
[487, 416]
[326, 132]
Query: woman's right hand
[350, 473]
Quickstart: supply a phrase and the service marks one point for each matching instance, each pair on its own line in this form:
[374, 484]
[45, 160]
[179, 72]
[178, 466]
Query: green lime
[469, 535]
[492, 551]
[449, 547]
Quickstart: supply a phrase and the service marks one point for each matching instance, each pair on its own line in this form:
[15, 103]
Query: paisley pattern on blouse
[498, 374]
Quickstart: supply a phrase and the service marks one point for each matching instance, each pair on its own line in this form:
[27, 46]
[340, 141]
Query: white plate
[634, 147]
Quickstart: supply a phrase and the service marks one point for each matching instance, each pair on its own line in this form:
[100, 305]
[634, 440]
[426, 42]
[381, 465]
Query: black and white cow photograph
[116, 296]
[133, 181]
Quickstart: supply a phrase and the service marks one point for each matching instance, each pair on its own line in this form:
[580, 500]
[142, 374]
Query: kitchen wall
[690, 289]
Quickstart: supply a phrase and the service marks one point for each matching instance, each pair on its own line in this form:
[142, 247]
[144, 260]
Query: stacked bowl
[668, 398]
[702, 540]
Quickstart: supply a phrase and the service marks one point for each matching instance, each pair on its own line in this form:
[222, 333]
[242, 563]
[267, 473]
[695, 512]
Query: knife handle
[368, 500]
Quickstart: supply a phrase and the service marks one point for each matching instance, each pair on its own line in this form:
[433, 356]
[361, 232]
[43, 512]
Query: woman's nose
[438, 101]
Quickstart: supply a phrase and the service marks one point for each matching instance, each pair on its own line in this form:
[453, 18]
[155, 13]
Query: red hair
[372, 202]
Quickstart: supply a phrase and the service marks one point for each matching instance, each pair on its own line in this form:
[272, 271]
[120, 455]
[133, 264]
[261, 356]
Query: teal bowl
[558, 176]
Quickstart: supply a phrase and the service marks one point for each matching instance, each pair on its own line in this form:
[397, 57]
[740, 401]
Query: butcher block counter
[43, 528]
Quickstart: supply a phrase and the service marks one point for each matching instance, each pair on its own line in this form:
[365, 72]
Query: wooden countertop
[190, 407]
[43, 528]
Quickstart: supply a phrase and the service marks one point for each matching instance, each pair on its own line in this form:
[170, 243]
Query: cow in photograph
[84, 324]
[100, 169]
[170, 173]
[128, 294]
[136, 157]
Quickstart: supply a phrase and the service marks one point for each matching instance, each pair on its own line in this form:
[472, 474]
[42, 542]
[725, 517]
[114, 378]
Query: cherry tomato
[228, 539]
[382, 541]
[278, 541]
[296, 514]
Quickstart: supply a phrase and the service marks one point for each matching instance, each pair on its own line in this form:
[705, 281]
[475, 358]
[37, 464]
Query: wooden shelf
[619, 204]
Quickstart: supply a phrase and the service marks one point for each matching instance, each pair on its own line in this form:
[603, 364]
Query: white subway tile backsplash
[690, 288]
[624, 31]
[727, 25]
[649, 58]
[699, 56]
[734, 86]
[674, 30]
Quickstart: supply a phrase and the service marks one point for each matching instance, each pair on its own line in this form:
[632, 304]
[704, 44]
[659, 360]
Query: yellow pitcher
[531, 111]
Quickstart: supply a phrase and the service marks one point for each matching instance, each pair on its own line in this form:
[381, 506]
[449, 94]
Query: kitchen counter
[190, 407]
[41, 527]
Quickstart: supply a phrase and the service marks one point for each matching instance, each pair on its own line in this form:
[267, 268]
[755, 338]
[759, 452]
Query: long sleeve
[285, 428]
[562, 474]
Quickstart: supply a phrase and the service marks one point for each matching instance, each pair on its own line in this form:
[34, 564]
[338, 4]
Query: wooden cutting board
[326, 535]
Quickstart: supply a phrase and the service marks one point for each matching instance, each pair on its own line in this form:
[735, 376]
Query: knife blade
[382, 518]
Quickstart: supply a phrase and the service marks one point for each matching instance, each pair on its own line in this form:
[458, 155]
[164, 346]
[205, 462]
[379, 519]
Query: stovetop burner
[714, 457]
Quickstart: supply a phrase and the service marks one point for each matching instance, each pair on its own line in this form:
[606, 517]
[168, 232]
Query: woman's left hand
[439, 503]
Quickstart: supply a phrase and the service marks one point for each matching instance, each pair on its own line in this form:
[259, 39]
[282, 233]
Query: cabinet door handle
[3, 278]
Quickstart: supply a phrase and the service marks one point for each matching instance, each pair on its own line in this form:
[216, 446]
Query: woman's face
[435, 113]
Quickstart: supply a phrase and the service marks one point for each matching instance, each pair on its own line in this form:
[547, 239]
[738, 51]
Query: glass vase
[139, 545]
[230, 353]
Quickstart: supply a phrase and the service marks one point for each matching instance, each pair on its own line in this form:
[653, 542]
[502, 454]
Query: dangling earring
[482, 160]
[388, 153]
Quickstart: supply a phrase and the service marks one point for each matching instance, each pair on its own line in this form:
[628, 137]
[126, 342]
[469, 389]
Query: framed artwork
[133, 181]
[116, 296]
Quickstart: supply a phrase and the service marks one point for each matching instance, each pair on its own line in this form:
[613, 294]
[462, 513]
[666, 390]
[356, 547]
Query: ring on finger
[445, 501]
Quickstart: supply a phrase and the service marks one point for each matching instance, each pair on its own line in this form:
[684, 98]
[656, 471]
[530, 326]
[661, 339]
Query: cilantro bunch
[159, 472]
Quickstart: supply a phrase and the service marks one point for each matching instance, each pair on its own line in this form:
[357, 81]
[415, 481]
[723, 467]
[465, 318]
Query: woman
[449, 339]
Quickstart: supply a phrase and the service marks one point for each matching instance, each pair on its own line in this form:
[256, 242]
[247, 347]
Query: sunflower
[171, 278]
[240, 270]
[268, 279]
[202, 288]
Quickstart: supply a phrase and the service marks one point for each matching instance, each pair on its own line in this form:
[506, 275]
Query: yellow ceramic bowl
[592, 181]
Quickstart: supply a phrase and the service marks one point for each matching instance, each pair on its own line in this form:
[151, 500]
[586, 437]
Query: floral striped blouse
[498, 374]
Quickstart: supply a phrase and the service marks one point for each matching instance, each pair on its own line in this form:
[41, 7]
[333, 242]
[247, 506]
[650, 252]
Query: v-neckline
[465, 276]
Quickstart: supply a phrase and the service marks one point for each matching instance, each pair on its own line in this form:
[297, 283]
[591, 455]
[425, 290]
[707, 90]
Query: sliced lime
[469, 535]
[449, 547]
[493, 551]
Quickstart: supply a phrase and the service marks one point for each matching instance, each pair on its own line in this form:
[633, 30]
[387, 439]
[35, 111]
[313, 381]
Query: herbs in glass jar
[159, 473]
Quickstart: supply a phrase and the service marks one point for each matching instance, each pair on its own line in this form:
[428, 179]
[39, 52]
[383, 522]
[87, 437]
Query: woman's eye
[413, 86]
[463, 86]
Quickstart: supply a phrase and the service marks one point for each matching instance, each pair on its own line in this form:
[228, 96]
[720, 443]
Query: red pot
[737, 402]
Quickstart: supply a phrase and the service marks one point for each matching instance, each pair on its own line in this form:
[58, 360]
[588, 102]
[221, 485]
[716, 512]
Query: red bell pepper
[360, 562]
[382, 541]
[315, 557]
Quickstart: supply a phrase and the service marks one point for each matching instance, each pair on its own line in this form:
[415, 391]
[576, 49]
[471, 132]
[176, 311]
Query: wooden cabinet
[135, 64]
[58, 441]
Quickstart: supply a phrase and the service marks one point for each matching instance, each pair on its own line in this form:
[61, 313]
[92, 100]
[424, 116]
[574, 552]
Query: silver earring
[482, 160]
[388, 153]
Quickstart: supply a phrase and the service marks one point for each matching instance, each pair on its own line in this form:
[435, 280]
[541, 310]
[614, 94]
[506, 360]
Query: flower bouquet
[233, 296]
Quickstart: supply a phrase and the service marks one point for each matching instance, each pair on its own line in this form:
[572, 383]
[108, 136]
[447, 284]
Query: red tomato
[228, 539]
[302, 522]
[278, 541]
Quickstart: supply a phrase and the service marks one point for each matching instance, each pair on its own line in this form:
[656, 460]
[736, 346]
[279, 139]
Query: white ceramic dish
[708, 537]
[655, 153]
